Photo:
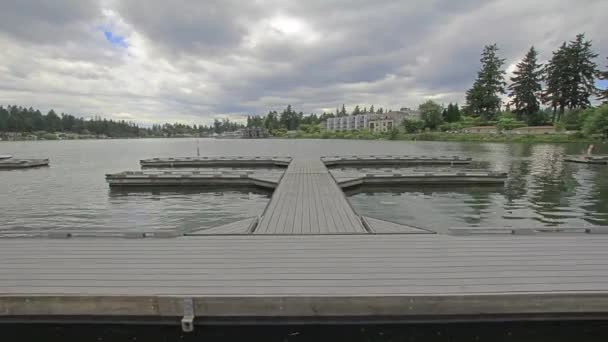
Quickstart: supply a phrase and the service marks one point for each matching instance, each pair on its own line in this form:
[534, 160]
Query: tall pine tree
[483, 99]
[526, 87]
[555, 81]
[570, 76]
[604, 93]
[343, 111]
[585, 70]
[452, 113]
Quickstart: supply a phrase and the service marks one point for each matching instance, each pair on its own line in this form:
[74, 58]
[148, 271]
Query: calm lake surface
[541, 190]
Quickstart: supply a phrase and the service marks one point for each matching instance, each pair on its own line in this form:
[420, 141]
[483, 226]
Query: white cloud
[193, 62]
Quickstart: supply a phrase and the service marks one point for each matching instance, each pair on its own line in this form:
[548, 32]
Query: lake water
[542, 190]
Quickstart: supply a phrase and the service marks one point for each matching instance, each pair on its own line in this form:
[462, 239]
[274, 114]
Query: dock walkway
[411, 277]
[308, 258]
[309, 201]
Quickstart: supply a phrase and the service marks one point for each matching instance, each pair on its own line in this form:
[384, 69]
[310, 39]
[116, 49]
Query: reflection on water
[542, 190]
[72, 193]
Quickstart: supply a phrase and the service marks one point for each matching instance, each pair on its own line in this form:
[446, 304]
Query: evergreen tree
[286, 117]
[452, 113]
[444, 113]
[364, 110]
[371, 109]
[570, 77]
[583, 73]
[555, 83]
[356, 111]
[343, 111]
[526, 86]
[53, 122]
[380, 110]
[604, 93]
[4, 115]
[483, 99]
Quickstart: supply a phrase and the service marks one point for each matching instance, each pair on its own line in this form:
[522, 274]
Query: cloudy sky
[196, 60]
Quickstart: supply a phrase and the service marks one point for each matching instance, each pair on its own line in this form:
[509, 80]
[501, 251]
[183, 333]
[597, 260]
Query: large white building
[378, 122]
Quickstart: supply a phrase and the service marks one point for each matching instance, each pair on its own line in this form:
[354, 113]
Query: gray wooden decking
[308, 201]
[415, 277]
[11, 164]
[377, 226]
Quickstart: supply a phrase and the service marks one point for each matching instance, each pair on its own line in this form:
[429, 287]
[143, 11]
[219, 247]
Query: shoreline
[431, 136]
[460, 137]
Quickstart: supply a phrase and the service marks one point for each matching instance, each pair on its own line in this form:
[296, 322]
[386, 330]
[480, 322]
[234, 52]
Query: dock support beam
[188, 318]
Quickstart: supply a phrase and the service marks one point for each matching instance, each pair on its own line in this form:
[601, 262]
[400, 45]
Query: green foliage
[413, 126]
[281, 132]
[48, 136]
[289, 119]
[452, 113]
[603, 93]
[597, 122]
[483, 99]
[573, 120]
[308, 128]
[451, 127]
[539, 118]
[506, 124]
[393, 134]
[526, 87]
[26, 120]
[430, 113]
[342, 111]
[470, 121]
[570, 77]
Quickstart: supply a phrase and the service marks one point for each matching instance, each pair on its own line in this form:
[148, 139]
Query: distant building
[245, 133]
[374, 122]
[254, 133]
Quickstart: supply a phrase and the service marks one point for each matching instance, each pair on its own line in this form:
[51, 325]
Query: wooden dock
[214, 178]
[308, 201]
[12, 164]
[240, 161]
[309, 258]
[353, 178]
[597, 159]
[392, 160]
[305, 278]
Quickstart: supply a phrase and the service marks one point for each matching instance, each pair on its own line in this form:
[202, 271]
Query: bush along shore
[589, 125]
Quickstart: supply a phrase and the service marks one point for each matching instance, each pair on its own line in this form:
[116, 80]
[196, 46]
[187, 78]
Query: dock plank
[263, 275]
[308, 188]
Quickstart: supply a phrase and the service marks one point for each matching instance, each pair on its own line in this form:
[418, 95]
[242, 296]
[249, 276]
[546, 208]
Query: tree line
[291, 120]
[565, 83]
[29, 120]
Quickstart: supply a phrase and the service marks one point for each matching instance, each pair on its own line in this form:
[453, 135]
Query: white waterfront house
[377, 122]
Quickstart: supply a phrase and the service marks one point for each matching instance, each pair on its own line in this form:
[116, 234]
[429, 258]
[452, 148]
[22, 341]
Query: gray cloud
[191, 61]
[47, 22]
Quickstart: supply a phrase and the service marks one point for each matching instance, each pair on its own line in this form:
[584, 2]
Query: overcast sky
[195, 60]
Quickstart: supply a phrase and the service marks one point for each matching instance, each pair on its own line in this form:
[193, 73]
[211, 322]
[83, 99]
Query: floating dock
[389, 160]
[11, 163]
[258, 279]
[255, 161]
[309, 258]
[350, 179]
[266, 180]
[597, 159]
